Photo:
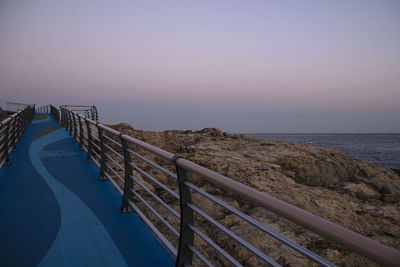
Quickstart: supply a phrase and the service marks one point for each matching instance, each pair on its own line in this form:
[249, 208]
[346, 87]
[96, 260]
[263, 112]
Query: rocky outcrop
[344, 190]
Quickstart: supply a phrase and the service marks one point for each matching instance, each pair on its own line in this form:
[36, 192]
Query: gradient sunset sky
[241, 66]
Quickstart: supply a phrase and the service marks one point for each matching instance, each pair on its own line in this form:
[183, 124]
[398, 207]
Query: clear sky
[242, 66]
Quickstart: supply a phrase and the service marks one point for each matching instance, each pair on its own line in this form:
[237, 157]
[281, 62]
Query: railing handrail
[12, 129]
[358, 243]
[367, 247]
[90, 110]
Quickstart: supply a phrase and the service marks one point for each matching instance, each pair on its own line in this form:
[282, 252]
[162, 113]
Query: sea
[378, 149]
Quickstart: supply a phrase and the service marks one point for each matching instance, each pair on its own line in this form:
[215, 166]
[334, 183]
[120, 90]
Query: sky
[241, 66]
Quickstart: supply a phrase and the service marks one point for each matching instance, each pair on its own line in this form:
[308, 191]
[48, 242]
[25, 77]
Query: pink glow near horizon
[328, 57]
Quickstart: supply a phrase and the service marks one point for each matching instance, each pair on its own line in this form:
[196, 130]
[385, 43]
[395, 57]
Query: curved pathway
[55, 212]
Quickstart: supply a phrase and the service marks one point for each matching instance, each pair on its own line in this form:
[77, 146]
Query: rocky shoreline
[344, 190]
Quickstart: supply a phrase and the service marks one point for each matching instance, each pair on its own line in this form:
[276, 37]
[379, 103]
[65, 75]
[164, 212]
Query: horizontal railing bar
[153, 149]
[154, 229]
[78, 106]
[96, 146]
[156, 198]
[112, 150]
[172, 229]
[6, 120]
[84, 143]
[116, 163]
[158, 234]
[199, 255]
[233, 235]
[155, 165]
[120, 191]
[97, 151]
[95, 161]
[108, 129]
[92, 122]
[214, 245]
[262, 227]
[94, 152]
[114, 172]
[112, 140]
[18, 104]
[80, 109]
[154, 180]
[364, 246]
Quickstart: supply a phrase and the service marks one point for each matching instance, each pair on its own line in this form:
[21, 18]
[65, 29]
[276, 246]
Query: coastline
[357, 195]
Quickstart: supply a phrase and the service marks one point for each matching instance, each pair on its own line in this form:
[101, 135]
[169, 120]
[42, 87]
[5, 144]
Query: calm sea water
[378, 149]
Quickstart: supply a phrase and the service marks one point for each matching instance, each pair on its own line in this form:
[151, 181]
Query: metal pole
[70, 128]
[128, 185]
[62, 117]
[14, 133]
[24, 122]
[6, 134]
[75, 128]
[102, 177]
[186, 236]
[89, 148]
[18, 128]
[80, 146]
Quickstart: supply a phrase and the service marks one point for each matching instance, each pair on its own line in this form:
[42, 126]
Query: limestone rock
[344, 190]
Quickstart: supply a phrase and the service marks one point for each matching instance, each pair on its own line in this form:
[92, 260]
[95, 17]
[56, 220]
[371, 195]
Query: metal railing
[159, 187]
[15, 107]
[55, 113]
[11, 131]
[43, 109]
[89, 111]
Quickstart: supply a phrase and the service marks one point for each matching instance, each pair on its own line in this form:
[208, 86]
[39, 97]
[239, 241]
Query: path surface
[55, 212]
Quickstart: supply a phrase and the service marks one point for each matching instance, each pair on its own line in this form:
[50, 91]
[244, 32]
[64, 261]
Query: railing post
[14, 133]
[80, 146]
[89, 148]
[22, 123]
[128, 185]
[186, 236]
[62, 121]
[74, 127]
[19, 127]
[95, 115]
[66, 119]
[69, 122]
[102, 176]
[6, 136]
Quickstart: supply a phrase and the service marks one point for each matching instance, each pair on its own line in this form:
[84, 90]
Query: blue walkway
[55, 212]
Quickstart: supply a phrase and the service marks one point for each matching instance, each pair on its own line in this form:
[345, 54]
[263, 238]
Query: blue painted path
[55, 212]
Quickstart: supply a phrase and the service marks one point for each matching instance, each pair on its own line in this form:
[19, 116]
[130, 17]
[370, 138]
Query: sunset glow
[242, 66]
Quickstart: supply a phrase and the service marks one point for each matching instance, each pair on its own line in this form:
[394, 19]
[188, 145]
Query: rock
[344, 190]
[361, 191]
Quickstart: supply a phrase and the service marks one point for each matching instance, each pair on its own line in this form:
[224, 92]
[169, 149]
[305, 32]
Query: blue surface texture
[55, 212]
